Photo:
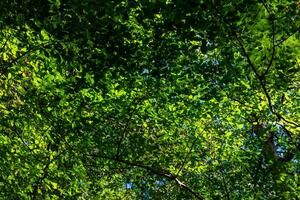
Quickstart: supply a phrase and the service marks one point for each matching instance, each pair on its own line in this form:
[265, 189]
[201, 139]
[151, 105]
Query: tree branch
[287, 37]
[273, 38]
[227, 194]
[4, 45]
[160, 172]
[44, 174]
[245, 53]
[287, 121]
[184, 160]
[259, 77]
[40, 180]
[123, 135]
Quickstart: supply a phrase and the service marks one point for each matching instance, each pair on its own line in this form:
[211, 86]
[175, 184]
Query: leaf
[45, 35]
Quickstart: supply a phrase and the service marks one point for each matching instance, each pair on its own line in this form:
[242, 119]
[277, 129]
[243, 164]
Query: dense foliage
[141, 99]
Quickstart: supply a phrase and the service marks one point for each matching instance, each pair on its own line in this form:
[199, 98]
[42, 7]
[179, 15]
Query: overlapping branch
[260, 77]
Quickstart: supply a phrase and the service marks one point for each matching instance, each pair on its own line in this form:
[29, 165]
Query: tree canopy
[150, 99]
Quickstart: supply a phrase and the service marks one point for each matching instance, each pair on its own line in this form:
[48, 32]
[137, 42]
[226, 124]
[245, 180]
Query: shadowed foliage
[149, 99]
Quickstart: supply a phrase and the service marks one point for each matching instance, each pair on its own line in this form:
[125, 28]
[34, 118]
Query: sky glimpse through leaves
[150, 99]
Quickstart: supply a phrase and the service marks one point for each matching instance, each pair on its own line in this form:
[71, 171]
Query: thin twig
[125, 129]
[273, 38]
[287, 37]
[227, 194]
[244, 51]
[44, 175]
[184, 160]
[4, 45]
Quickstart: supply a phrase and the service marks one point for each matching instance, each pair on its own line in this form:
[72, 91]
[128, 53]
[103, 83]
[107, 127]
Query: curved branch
[159, 172]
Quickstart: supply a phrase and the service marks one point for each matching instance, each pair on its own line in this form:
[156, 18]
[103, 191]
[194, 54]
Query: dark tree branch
[267, 8]
[261, 78]
[21, 56]
[40, 180]
[160, 172]
[123, 135]
[287, 121]
[4, 45]
[289, 134]
[227, 194]
[184, 160]
[44, 175]
[286, 37]
[242, 46]
[267, 95]
[31, 49]
[273, 38]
